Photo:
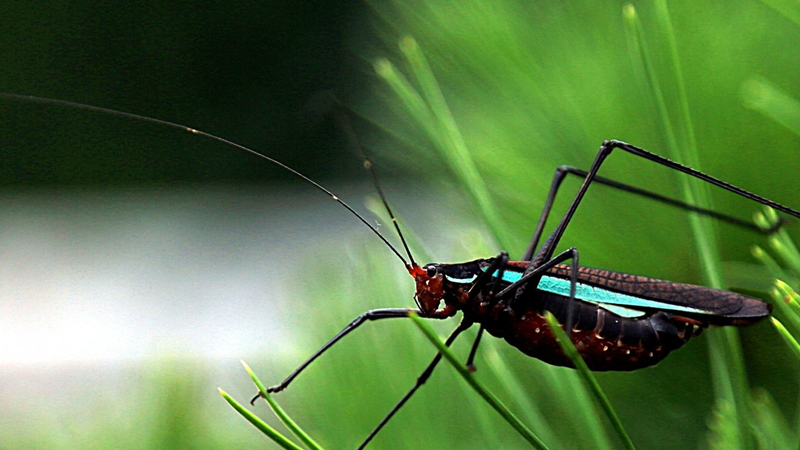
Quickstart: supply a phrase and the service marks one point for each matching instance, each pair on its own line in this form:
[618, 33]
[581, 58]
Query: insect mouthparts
[415, 270]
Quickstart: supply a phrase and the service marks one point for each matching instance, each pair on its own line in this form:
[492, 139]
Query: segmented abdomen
[605, 340]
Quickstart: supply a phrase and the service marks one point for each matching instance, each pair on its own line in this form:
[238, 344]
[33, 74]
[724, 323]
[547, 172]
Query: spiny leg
[700, 175]
[503, 264]
[503, 261]
[538, 271]
[535, 275]
[375, 314]
[563, 171]
[420, 381]
[573, 284]
[499, 262]
[474, 350]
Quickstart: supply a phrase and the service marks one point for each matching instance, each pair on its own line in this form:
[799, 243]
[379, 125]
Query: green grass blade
[722, 433]
[781, 242]
[771, 429]
[792, 298]
[786, 251]
[727, 363]
[787, 8]
[790, 340]
[411, 99]
[643, 56]
[769, 100]
[513, 386]
[785, 299]
[684, 116]
[588, 378]
[290, 424]
[694, 191]
[769, 262]
[451, 143]
[260, 424]
[591, 420]
[469, 377]
[786, 306]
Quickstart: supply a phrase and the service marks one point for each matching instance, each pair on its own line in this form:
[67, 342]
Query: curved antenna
[348, 128]
[113, 112]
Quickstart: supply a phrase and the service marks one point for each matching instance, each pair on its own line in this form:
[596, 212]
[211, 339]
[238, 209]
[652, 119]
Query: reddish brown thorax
[430, 289]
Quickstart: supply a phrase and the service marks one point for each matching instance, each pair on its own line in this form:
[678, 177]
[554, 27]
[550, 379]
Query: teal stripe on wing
[622, 304]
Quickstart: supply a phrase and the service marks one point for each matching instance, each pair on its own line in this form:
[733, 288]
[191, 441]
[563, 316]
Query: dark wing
[715, 306]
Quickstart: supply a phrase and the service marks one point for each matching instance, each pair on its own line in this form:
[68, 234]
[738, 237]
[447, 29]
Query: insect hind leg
[562, 172]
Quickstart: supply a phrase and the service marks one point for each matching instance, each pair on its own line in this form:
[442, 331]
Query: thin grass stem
[444, 132]
[786, 335]
[727, 363]
[469, 377]
[787, 8]
[290, 424]
[766, 98]
[589, 379]
[769, 262]
[260, 424]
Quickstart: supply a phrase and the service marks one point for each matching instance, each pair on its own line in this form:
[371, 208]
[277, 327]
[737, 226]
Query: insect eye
[431, 271]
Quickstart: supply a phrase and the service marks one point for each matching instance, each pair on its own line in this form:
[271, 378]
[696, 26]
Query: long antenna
[113, 112]
[348, 128]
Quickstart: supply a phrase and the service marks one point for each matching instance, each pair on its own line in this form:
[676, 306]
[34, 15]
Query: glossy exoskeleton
[619, 321]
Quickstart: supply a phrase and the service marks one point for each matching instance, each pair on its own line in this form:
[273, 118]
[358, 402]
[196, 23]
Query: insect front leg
[499, 265]
[375, 314]
[535, 275]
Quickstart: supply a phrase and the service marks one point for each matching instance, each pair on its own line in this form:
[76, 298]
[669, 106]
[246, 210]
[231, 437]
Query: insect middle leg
[420, 381]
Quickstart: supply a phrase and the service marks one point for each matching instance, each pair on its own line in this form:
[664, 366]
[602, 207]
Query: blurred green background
[139, 263]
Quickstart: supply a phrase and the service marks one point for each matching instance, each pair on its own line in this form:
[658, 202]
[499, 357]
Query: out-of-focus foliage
[528, 86]
[522, 88]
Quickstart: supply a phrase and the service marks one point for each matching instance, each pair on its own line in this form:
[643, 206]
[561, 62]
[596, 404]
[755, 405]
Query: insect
[617, 321]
